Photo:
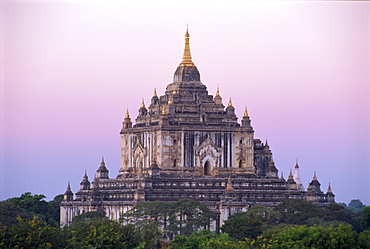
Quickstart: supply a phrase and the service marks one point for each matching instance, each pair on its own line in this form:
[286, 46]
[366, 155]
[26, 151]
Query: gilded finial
[246, 112]
[218, 92]
[230, 102]
[142, 104]
[127, 114]
[186, 59]
[155, 93]
[174, 91]
[169, 101]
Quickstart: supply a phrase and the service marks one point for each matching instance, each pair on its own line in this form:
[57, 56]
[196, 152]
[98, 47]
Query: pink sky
[70, 70]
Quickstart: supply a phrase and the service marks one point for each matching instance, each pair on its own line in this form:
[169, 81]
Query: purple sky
[70, 70]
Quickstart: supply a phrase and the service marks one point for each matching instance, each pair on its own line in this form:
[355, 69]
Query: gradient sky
[70, 70]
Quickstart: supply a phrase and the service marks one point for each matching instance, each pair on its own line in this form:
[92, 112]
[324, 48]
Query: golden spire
[230, 102]
[155, 92]
[186, 58]
[142, 104]
[246, 112]
[218, 92]
[127, 114]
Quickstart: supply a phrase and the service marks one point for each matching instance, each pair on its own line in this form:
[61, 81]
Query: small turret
[127, 121]
[85, 183]
[314, 186]
[68, 195]
[246, 121]
[143, 111]
[102, 172]
[282, 176]
[291, 184]
[230, 110]
[330, 197]
[217, 99]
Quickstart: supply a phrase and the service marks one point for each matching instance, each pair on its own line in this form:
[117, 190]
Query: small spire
[174, 91]
[142, 104]
[155, 92]
[127, 114]
[229, 186]
[85, 176]
[266, 144]
[186, 59]
[230, 102]
[282, 175]
[329, 189]
[246, 112]
[314, 176]
[296, 164]
[102, 161]
[169, 101]
[69, 186]
[218, 92]
[290, 174]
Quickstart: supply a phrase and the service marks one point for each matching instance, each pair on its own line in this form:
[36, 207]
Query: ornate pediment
[208, 150]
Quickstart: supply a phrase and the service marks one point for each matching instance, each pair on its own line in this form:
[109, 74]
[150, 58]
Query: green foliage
[356, 206]
[364, 239]
[365, 221]
[182, 217]
[32, 233]
[206, 239]
[241, 226]
[36, 205]
[297, 212]
[9, 213]
[341, 236]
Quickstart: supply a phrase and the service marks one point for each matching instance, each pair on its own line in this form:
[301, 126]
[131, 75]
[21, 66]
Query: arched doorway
[207, 168]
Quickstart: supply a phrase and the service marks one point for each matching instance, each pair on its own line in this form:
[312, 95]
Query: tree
[317, 237]
[33, 233]
[365, 221]
[182, 217]
[355, 205]
[364, 239]
[90, 230]
[9, 213]
[35, 205]
[193, 215]
[241, 225]
[336, 212]
[297, 212]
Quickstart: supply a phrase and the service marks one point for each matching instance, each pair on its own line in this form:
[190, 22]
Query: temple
[187, 144]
